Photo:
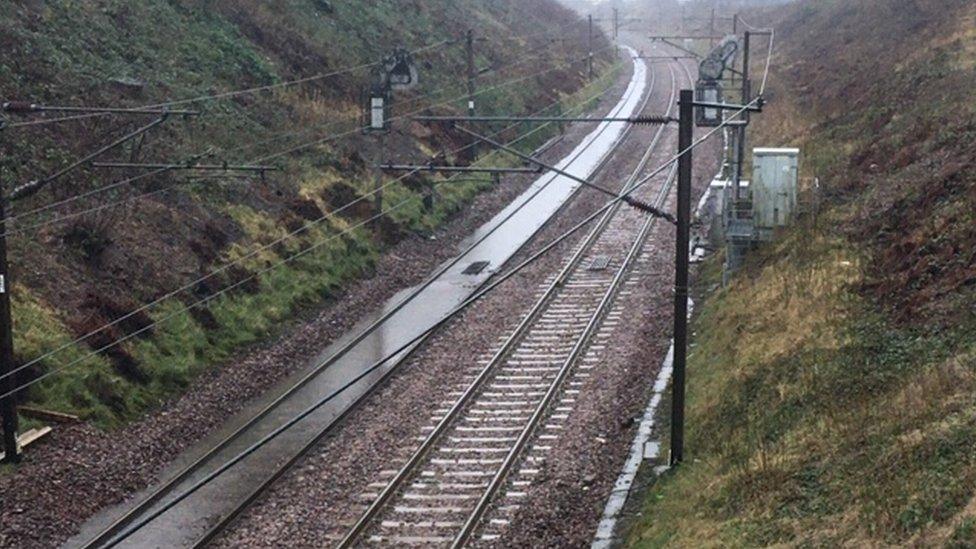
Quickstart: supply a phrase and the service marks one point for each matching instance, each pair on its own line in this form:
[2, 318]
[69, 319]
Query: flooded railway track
[188, 524]
[484, 447]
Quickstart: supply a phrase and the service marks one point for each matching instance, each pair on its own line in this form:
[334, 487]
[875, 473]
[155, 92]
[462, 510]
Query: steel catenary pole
[469, 46]
[685, 136]
[8, 405]
[741, 131]
[589, 45]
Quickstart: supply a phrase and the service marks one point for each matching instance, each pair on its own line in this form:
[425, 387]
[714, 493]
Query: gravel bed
[565, 505]
[321, 497]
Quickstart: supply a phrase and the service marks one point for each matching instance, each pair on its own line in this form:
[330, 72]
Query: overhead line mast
[710, 105]
[589, 46]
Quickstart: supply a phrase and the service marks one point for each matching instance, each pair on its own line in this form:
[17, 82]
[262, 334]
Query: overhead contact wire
[213, 273]
[296, 148]
[454, 312]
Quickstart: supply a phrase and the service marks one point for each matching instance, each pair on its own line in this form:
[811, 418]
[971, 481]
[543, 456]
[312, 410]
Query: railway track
[162, 494]
[484, 447]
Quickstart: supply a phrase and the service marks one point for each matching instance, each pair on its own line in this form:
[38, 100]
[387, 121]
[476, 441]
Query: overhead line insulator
[651, 120]
[19, 106]
[645, 207]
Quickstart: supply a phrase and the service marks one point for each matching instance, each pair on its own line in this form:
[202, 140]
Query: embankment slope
[833, 383]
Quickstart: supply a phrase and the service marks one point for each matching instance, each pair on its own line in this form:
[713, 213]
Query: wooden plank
[47, 415]
[29, 437]
[32, 436]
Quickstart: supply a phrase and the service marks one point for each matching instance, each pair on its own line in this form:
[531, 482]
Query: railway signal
[399, 71]
[376, 109]
[719, 59]
[708, 91]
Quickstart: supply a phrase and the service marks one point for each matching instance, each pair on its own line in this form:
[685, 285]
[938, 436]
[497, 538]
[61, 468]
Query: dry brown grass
[781, 456]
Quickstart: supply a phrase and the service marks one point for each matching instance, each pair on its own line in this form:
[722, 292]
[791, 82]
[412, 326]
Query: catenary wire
[454, 312]
[232, 93]
[318, 141]
[210, 275]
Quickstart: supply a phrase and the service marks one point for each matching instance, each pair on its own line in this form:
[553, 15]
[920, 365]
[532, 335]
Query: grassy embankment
[194, 48]
[832, 384]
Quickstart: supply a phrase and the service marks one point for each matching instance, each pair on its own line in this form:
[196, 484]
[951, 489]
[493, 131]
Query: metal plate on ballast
[475, 268]
[599, 263]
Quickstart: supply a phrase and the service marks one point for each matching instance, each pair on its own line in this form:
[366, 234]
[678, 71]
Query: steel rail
[407, 470]
[224, 523]
[116, 527]
[538, 415]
